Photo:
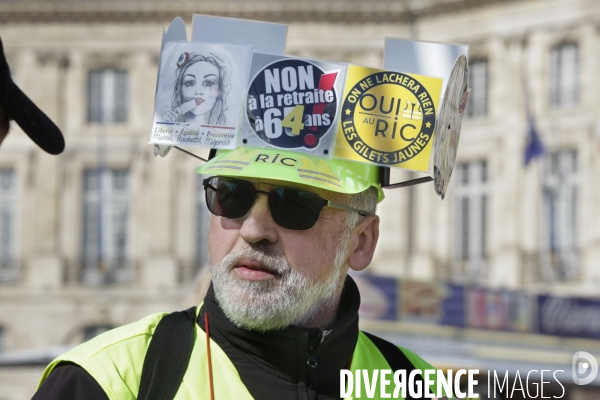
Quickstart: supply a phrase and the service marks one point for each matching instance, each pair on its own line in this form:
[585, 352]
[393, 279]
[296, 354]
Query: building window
[7, 225]
[477, 105]
[564, 75]
[202, 218]
[105, 226]
[92, 331]
[107, 96]
[470, 244]
[559, 230]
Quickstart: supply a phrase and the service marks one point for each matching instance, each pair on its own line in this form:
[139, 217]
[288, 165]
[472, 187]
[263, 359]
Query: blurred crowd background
[502, 275]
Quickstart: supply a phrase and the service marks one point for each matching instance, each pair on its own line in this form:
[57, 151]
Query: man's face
[268, 277]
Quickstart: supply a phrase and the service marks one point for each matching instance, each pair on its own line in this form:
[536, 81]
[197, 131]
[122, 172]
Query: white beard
[291, 298]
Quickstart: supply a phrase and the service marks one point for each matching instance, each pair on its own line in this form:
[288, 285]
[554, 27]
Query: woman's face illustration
[201, 83]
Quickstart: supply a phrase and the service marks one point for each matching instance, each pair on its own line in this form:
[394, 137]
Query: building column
[506, 193]
[44, 269]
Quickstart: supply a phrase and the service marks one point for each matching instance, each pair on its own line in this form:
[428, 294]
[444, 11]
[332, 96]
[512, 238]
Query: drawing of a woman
[200, 92]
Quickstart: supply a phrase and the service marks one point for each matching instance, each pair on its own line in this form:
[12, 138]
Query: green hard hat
[330, 174]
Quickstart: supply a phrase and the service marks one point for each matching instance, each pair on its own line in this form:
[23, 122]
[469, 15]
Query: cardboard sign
[423, 58]
[449, 62]
[394, 117]
[292, 103]
[447, 132]
[388, 118]
[200, 89]
[265, 37]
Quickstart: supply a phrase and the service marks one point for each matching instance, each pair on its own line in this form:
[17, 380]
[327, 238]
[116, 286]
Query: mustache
[275, 263]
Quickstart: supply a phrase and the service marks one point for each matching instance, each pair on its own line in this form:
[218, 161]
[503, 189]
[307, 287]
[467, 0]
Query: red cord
[210, 374]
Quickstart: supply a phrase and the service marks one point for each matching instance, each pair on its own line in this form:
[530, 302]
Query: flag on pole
[534, 147]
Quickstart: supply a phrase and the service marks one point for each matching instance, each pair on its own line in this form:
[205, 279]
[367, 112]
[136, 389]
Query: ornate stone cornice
[15, 11]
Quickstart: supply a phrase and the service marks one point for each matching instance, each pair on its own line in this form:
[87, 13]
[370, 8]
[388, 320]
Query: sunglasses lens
[290, 208]
[294, 208]
[232, 198]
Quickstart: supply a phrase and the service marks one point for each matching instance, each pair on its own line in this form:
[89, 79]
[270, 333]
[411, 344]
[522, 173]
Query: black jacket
[294, 363]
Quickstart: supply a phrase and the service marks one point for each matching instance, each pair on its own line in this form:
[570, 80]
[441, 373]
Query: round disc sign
[388, 118]
[292, 103]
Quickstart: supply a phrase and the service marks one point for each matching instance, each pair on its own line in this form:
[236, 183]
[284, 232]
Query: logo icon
[388, 118]
[584, 368]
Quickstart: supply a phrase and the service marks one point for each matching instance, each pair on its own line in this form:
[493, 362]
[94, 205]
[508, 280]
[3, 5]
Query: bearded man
[280, 320]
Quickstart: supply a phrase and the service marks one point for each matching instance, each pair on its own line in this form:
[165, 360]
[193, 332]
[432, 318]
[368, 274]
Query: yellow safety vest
[115, 359]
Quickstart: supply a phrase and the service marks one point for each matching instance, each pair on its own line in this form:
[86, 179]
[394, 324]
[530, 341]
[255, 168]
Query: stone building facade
[91, 66]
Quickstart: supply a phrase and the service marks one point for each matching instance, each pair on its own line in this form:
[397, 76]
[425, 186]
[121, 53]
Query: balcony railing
[99, 273]
[549, 267]
[471, 271]
[560, 266]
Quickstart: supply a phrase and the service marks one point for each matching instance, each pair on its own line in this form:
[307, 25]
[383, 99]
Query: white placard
[266, 37]
[199, 94]
[423, 58]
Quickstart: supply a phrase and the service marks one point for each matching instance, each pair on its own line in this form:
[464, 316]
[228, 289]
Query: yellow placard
[388, 118]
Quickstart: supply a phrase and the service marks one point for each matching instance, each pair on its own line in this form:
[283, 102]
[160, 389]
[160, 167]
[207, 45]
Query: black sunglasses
[291, 208]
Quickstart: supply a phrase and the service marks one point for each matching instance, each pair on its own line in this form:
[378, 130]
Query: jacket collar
[286, 352]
